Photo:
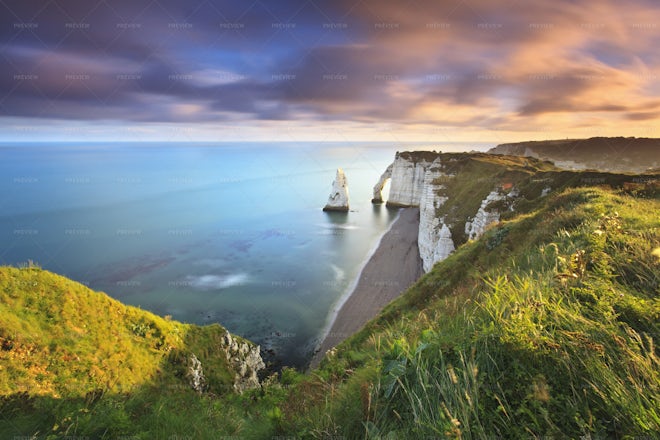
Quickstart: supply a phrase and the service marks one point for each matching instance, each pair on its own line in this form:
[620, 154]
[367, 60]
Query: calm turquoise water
[228, 233]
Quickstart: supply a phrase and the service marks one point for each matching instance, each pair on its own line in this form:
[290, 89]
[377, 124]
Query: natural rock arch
[378, 188]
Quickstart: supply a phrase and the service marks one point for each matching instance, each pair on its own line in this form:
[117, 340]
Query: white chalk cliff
[415, 183]
[434, 240]
[407, 181]
[487, 216]
[484, 217]
[338, 199]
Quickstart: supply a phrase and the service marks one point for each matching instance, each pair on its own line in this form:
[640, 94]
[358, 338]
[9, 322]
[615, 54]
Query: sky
[331, 70]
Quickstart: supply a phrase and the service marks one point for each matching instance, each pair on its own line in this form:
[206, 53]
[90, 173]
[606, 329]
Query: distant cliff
[616, 154]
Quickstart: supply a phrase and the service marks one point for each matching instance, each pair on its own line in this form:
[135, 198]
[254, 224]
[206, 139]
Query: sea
[229, 233]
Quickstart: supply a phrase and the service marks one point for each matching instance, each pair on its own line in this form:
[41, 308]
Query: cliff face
[461, 195]
[407, 174]
[413, 185]
[422, 179]
[435, 233]
[434, 240]
[484, 217]
[338, 199]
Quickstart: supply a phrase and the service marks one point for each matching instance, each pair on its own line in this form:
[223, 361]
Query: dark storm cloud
[111, 53]
[370, 60]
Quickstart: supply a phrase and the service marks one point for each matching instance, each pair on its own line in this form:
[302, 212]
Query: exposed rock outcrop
[195, 374]
[245, 360]
[444, 245]
[338, 199]
[484, 217]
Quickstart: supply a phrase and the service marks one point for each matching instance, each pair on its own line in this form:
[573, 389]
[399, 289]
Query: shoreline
[351, 287]
[391, 267]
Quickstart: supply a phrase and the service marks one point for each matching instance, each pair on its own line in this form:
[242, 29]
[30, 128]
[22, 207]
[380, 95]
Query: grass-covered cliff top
[594, 145]
[545, 326]
[60, 338]
[468, 178]
[418, 156]
[476, 175]
[74, 360]
[603, 153]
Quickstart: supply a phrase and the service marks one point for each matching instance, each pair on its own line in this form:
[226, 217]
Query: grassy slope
[545, 326]
[75, 361]
[475, 176]
[470, 177]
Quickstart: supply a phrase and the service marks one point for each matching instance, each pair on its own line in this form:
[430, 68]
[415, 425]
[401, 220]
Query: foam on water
[217, 282]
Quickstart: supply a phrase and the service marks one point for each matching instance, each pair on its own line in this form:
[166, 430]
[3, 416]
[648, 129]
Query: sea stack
[338, 199]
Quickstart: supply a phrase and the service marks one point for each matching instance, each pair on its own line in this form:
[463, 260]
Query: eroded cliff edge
[459, 195]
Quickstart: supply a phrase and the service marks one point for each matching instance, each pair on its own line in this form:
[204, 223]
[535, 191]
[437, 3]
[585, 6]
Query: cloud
[467, 64]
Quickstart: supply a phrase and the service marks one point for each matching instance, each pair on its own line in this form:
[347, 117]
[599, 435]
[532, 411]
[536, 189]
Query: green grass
[77, 362]
[61, 339]
[548, 330]
[545, 326]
